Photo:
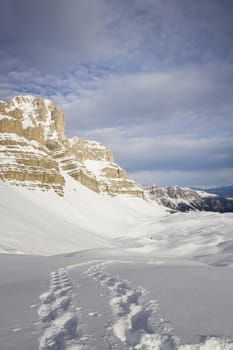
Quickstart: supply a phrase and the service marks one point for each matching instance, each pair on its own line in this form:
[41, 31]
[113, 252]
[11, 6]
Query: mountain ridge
[35, 151]
[185, 199]
[223, 191]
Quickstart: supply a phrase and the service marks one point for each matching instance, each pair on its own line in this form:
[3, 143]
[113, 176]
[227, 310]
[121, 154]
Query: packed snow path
[77, 314]
[59, 324]
[135, 319]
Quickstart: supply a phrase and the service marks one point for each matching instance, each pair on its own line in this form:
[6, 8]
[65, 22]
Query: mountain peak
[36, 153]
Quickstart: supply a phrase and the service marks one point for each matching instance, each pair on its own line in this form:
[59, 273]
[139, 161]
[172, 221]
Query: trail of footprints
[59, 324]
[136, 323]
[136, 319]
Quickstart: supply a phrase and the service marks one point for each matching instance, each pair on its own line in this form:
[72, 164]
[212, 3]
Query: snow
[27, 123]
[83, 219]
[21, 140]
[195, 299]
[157, 293]
[96, 166]
[138, 319]
[138, 305]
[95, 144]
[25, 103]
[28, 109]
[27, 149]
[2, 116]
[204, 194]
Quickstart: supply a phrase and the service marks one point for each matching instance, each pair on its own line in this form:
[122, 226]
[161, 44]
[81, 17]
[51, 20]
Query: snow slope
[144, 286]
[42, 223]
[36, 222]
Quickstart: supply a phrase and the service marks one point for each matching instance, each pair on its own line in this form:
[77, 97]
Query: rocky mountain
[35, 153]
[184, 199]
[223, 191]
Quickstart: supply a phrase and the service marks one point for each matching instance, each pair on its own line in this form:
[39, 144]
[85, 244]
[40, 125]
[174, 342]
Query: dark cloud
[55, 32]
[176, 32]
[58, 33]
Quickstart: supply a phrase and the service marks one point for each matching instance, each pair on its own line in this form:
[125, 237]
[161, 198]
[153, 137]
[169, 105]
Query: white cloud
[183, 178]
[181, 98]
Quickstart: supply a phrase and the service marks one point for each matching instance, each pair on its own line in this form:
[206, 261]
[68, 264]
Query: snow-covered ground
[88, 300]
[88, 271]
[83, 219]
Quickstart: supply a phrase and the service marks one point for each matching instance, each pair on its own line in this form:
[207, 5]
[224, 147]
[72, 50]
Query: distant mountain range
[186, 199]
[223, 191]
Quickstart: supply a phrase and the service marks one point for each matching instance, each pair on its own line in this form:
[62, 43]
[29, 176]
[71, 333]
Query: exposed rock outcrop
[26, 126]
[185, 199]
[34, 152]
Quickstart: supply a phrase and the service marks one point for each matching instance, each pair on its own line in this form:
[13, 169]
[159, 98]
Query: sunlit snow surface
[142, 278]
[83, 219]
[89, 301]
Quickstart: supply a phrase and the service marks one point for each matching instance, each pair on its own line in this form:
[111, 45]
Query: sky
[151, 79]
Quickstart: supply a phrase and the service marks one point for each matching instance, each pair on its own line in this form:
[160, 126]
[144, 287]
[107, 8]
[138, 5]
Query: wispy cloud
[194, 100]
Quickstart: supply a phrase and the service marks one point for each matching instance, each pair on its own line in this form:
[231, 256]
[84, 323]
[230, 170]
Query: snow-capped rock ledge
[34, 152]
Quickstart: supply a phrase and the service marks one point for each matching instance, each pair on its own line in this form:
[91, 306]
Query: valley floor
[143, 279]
[105, 299]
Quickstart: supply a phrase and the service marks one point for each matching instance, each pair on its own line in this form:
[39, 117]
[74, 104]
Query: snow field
[59, 324]
[58, 316]
[83, 219]
[137, 321]
[87, 306]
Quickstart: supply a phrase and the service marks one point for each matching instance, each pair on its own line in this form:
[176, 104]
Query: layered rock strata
[34, 152]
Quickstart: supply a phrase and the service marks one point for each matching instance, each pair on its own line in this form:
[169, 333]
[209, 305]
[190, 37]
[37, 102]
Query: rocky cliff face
[34, 152]
[185, 199]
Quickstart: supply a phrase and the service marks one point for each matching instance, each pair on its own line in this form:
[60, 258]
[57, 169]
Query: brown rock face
[84, 150]
[26, 125]
[34, 151]
[9, 124]
[28, 164]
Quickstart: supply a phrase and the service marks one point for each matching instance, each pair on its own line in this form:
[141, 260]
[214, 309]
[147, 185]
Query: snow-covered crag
[34, 152]
[185, 199]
